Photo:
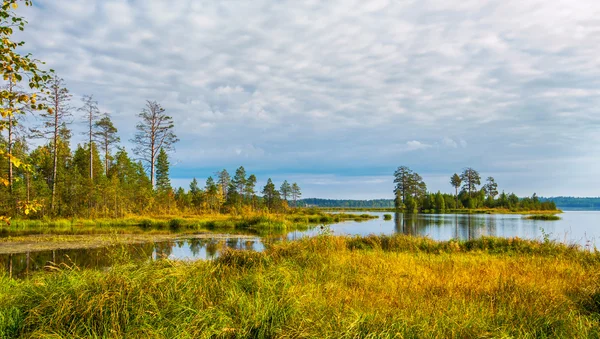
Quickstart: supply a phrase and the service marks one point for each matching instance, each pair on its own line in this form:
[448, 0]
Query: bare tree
[91, 113]
[57, 100]
[155, 131]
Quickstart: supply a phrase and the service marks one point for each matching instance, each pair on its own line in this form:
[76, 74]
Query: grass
[387, 217]
[255, 223]
[323, 287]
[542, 217]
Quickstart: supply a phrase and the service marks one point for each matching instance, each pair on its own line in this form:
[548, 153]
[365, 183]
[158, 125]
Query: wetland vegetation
[379, 286]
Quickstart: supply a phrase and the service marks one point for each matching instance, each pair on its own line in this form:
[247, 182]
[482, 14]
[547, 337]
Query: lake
[582, 228]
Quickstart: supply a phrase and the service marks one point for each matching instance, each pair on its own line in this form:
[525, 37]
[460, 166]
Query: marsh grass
[323, 287]
[254, 222]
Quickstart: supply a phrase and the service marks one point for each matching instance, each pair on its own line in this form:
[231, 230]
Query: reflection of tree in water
[409, 224]
[249, 245]
[195, 246]
[232, 243]
[212, 247]
[163, 249]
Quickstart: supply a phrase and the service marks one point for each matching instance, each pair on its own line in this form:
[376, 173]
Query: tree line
[411, 194]
[99, 178]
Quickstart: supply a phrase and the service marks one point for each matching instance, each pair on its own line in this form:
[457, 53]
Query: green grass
[542, 217]
[387, 217]
[323, 287]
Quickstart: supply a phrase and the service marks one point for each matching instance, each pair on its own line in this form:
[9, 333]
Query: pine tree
[471, 180]
[155, 132]
[106, 135]
[163, 183]
[286, 190]
[271, 195]
[456, 181]
[296, 193]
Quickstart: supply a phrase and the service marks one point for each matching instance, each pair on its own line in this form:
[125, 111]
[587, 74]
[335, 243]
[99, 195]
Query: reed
[325, 287]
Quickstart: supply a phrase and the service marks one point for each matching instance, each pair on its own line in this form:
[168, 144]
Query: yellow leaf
[14, 5]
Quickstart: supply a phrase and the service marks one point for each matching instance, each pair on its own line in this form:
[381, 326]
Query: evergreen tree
[195, 194]
[271, 196]
[456, 181]
[224, 180]
[163, 183]
[106, 135]
[471, 180]
[239, 180]
[491, 188]
[296, 193]
[286, 190]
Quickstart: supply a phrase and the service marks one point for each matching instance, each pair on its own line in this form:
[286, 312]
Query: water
[582, 228]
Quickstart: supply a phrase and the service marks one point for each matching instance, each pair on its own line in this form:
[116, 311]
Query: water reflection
[575, 227]
[22, 264]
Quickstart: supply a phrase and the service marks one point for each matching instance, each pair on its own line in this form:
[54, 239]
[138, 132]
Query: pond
[582, 228]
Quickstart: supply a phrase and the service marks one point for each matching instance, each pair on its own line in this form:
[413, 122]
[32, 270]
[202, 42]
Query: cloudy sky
[336, 94]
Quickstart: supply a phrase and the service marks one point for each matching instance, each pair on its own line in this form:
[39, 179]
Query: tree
[440, 203]
[12, 127]
[195, 193]
[296, 194]
[154, 132]
[286, 190]
[57, 99]
[402, 179]
[211, 194]
[91, 113]
[239, 180]
[223, 179]
[163, 183]
[249, 187]
[471, 179]
[491, 188]
[456, 181]
[14, 68]
[106, 134]
[270, 195]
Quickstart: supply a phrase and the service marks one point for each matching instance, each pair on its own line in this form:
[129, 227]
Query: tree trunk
[55, 155]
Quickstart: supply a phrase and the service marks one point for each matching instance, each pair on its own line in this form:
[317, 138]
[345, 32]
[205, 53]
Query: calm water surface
[582, 228]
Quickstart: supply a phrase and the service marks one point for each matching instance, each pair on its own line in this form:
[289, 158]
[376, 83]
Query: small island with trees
[411, 195]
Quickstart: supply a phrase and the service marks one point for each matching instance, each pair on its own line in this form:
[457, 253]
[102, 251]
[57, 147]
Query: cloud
[342, 86]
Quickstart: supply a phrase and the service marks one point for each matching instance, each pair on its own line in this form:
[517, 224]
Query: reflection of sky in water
[582, 228]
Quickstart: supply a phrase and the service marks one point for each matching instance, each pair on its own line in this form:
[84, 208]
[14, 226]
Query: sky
[335, 95]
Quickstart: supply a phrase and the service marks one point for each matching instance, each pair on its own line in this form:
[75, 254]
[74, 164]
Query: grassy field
[337, 287]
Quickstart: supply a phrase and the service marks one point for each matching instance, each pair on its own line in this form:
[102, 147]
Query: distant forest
[378, 203]
[573, 203]
[563, 203]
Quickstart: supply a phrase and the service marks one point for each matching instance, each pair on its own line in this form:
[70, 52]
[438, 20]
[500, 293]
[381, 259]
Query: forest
[100, 178]
[411, 194]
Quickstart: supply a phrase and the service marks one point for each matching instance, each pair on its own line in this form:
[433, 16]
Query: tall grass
[253, 222]
[377, 286]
